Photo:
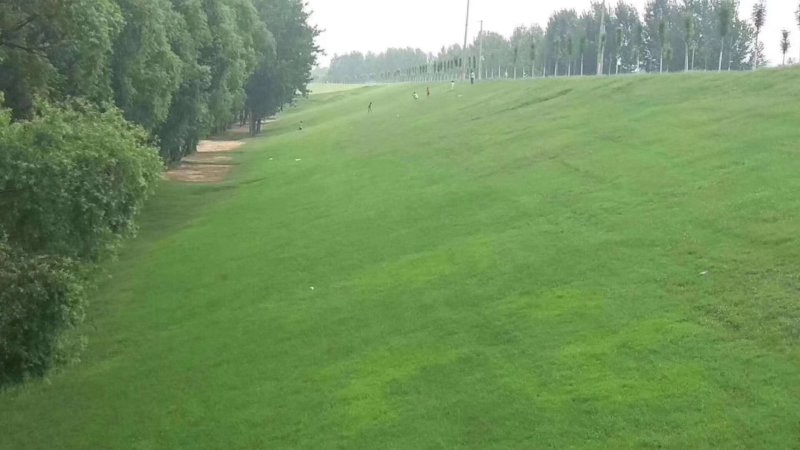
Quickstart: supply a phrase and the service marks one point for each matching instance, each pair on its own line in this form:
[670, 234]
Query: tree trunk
[693, 51]
[686, 69]
[600, 60]
[661, 62]
[755, 55]
[721, 51]
[581, 65]
[601, 48]
[253, 129]
[569, 69]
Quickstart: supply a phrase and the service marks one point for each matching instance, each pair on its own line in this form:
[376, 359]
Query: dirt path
[211, 164]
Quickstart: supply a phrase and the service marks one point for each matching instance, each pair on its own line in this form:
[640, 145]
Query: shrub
[40, 299]
[72, 180]
[71, 183]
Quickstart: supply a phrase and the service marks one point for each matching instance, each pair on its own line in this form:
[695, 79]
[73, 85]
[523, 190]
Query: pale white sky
[374, 25]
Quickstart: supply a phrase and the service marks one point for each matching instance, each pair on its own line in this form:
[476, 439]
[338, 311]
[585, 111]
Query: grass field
[594, 263]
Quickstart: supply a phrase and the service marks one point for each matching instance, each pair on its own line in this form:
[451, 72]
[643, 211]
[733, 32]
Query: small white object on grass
[312, 288]
[705, 272]
[298, 159]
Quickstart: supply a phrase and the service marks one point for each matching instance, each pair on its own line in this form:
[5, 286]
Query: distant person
[369, 108]
[415, 95]
[452, 84]
[429, 92]
[472, 77]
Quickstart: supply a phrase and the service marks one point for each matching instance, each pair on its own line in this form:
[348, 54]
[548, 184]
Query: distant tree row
[668, 36]
[357, 67]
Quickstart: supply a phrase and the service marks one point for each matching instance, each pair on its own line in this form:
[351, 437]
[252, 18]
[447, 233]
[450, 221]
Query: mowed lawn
[581, 263]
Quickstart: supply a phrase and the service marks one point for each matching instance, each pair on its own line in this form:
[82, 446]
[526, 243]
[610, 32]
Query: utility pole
[464, 48]
[480, 55]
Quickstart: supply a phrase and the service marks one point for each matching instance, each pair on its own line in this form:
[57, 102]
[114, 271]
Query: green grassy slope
[328, 88]
[597, 263]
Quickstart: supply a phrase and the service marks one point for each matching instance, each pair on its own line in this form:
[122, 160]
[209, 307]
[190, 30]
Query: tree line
[178, 68]
[668, 36]
[95, 96]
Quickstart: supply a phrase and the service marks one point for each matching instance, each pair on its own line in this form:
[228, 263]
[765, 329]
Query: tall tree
[285, 72]
[668, 55]
[240, 40]
[146, 72]
[187, 120]
[56, 49]
[785, 44]
[601, 40]
[659, 18]
[559, 28]
[797, 17]
[724, 13]
[759, 17]
[627, 22]
[582, 50]
[688, 28]
[570, 52]
[558, 50]
[618, 46]
[639, 43]
[516, 58]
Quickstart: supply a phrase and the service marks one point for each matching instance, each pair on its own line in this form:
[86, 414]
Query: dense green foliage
[179, 68]
[286, 71]
[72, 180]
[622, 39]
[129, 76]
[40, 299]
[53, 49]
[497, 267]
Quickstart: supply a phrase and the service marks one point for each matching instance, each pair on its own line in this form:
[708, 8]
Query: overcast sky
[374, 25]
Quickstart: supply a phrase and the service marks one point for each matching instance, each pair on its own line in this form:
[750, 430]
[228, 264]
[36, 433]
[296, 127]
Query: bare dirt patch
[218, 146]
[199, 173]
[211, 163]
